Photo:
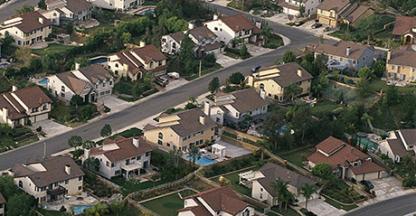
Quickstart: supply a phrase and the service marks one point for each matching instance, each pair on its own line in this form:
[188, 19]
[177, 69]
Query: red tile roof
[32, 97]
[238, 23]
[404, 24]
[330, 145]
[149, 53]
[366, 167]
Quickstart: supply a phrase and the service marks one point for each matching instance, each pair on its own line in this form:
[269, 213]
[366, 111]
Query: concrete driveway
[114, 103]
[322, 208]
[257, 50]
[50, 127]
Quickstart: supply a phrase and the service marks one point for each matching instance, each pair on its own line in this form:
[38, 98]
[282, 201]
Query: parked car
[316, 25]
[162, 81]
[367, 184]
[256, 68]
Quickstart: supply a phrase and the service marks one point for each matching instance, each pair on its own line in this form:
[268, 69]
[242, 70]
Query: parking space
[50, 128]
[257, 50]
[114, 103]
[226, 61]
[322, 208]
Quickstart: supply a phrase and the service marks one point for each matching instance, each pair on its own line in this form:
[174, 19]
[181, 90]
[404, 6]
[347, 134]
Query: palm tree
[194, 153]
[283, 194]
[307, 190]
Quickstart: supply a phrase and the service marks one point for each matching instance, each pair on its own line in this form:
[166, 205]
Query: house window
[216, 29]
[80, 178]
[138, 157]
[147, 154]
[79, 188]
[63, 88]
[107, 163]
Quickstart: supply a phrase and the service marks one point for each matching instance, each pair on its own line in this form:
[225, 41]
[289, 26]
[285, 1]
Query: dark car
[256, 68]
[162, 81]
[367, 184]
[316, 25]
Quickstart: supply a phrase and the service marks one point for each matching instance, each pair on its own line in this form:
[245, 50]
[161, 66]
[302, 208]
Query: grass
[234, 183]
[340, 206]
[274, 42]
[131, 185]
[52, 49]
[45, 212]
[297, 157]
[288, 212]
[324, 107]
[167, 205]
[204, 71]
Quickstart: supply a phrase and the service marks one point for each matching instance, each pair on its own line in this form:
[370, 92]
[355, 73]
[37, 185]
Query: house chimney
[5, 114]
[40, 20]
[348, 51]
[258, 25]
[202, 120]
[191, 26]
[14, 88]
[388, 55]
[77, 66]
[142, 44]
[215, 17]
[299, 72]
[68, 169]
[207, 108]
[136, 142]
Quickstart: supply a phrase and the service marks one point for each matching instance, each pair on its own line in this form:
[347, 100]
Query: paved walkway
[322, 208]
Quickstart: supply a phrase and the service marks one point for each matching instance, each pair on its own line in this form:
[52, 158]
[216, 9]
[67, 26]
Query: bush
[132, 132]
[236, 164]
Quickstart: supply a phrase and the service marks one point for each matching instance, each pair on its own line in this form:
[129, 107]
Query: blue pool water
[43, 82]
[79, 209]
[99, 60]
[203, 161]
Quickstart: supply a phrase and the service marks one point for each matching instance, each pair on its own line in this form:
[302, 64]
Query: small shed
[218, 150]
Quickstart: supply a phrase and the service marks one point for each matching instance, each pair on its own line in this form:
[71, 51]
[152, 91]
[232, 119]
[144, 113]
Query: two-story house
[119, 5]
[71, 10]
[346, 161]
[90, 83]
[399, 144]
[2, 205]
[232, 108]
[273, 81]
[27, 29]
[24, 106]
[299, 8]
[50, 179]
[217, 201]
[401, 64]
[125, 157]
[405, 29]
[204, 40]
[236, 27]
[181, 130]
[346, 55]
[136, 62]
[262, 181]
[329, 12]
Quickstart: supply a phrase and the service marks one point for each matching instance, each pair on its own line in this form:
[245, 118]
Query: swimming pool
[202, 161]
[366, 143]
[79, 209]
[43, 82]
[99, 60]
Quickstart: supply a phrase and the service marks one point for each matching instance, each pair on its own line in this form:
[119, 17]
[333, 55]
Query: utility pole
[200, 68]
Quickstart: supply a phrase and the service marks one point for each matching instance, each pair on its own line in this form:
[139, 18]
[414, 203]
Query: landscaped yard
[285, 212]
[45, 212]
[234, 182]
[297, 157]
[132, 185]
[340, 206]
[52, 49]
[168, 205]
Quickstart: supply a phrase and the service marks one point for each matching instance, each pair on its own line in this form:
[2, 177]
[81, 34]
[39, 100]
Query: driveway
[257, 50]
[114, 103]
[50, 127]
[386, 188]
[322, 208]
[226, 61]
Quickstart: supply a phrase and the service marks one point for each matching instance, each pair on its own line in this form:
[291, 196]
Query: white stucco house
[126, 157]
[121, 5]
[69, 10]
[24, 106]
[399, 144]
[50, 179]
[295, 7]
[90, 83]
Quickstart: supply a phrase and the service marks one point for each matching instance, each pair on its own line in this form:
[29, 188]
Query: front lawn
[68, 115]
[274, 42]
[168, 205]
[133, 90]
[340, 191]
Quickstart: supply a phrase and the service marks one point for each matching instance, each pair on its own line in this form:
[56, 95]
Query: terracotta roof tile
[403, 56]
[404, 24]
[30, 21]
[238, 23]
[366, 167]
[32, 97]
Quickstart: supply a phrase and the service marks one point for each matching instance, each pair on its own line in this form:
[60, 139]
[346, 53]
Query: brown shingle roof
[15, 111]
[247, 100]
[78, 5]
[238, 23]
[358, 13]
[72, 82]
[330, 145]
[30, 22]
[273, 172]
[126, 149]
[32, 97]
[336, 5]
[289, 75]
[404, 24]
[95, 73]
[409, 135]
[178, 36]
[223, 199]
[340, 49]
[366, 167]
[403, 56]
[202, 33]
[189, 122]
[149, 53]
[55, 171]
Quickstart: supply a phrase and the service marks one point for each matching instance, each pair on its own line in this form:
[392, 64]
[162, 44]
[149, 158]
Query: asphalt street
[398, 206]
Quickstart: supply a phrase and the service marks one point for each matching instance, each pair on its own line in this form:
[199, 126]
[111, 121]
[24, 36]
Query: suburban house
[236, 27]
[120, 5]
[90, 83]
[71, 10]
[136, 62]
[329, 12]
[273, 81]
[299, 8]
[261, 182]
[399, 144]
[2, 205]
[217, 201]
[356, 14]
[50, 179]
[125, 157]
[232, 108]
[24, 106]
[401, 64]
[205, 41]
[27, 29]
[347, 161]
[405, 29]
[182, 130]
[346, 55]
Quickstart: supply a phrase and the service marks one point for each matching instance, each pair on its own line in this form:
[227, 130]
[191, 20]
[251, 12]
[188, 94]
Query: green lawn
[340, 206]
[167, 205]
[129, 186]
[288, 212]
[324, 107]
[234, 183]
[52, 49]
[297, 157]
[45, 212]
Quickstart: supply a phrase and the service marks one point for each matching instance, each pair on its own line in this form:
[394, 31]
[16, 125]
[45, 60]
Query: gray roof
[95, 73]
[273, 172]
[397, 147]
[55, 171]
[189, 122]
[409, 135]
[178, 36]
[289, 74]
[247, 100]
[202, 33]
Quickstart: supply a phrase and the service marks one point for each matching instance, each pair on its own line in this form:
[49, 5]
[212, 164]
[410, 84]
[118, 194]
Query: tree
[302, 10]
[194, 153]
[20, 204]
[92, 164]
[392, 96]
[288, 57]
[365, 73]
[243, 51]
[69, 28]
[75, 142]
[42, 4]
[23, 55]
[8, 47]
[292, 91]
[126, 37]
[214, 85]
[186, 58]
[100, 209]
[283, 194]
[88, 144]
[25, 9]
[307, 191]
[106, 131]
[76, 100]
[236, 78]
[322, 171]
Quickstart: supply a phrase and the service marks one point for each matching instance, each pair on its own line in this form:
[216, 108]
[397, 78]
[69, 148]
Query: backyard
[169, 204]
[234, 181]
[298, 156]
[132, 185]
